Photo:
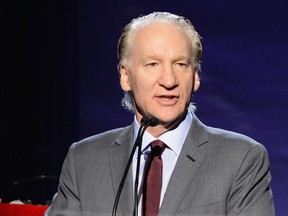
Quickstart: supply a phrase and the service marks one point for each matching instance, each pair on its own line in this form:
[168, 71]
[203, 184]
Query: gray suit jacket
[218, 173]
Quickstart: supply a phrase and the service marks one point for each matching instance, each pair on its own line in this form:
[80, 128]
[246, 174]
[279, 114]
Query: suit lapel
[186, 168]
[118, 158]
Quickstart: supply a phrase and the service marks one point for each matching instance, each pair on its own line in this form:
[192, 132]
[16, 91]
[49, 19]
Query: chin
[167, 115]
[167, 118]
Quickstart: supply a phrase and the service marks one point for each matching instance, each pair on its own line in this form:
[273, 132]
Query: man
[205, 171]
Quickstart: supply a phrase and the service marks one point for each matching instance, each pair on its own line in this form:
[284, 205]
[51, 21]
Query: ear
[196, 80]
[124, 78]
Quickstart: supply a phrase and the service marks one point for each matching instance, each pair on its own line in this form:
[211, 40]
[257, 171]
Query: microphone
[144, 120]
[145, 123]
[153, 121]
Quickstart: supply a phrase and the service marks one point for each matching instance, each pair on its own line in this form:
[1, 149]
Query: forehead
[161, 29]
[160, 35]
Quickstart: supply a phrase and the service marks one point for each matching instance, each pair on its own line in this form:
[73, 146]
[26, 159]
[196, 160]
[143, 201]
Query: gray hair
[124, 44]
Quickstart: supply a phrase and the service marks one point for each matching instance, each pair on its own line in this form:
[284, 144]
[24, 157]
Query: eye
[182, 64]
[152, 64]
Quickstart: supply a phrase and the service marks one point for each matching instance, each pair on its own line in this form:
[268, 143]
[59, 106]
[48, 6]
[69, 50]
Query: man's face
[160, 72]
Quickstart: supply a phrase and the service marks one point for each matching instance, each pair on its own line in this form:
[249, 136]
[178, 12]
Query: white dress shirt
[174, 139]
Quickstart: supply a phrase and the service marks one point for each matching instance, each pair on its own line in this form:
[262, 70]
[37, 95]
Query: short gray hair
[124, 45]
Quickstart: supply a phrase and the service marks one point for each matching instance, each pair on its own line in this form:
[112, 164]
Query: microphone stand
[145, 122]
[136, 198]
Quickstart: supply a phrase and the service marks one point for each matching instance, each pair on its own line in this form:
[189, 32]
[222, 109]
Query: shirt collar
[174, 139]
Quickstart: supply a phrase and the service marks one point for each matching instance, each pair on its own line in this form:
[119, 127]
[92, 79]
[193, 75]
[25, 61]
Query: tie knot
[157, 147]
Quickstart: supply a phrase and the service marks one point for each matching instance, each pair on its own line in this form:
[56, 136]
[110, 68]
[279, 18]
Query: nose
[168, 78]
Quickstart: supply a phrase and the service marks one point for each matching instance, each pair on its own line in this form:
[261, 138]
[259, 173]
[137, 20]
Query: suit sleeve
[66, 201]
[251, 193]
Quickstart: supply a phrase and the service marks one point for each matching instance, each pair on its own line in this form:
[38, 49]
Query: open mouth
[167, 97]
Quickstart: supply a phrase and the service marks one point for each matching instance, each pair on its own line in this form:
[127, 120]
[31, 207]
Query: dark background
[59, 81]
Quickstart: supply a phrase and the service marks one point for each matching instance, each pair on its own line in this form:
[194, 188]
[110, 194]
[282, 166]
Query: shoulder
[104, 140]
[235, 146]
[227, 136]
[225, 141]
[229, 150]
[231, 139]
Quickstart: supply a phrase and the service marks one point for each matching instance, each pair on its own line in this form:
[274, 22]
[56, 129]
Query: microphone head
[144, 120]
[153, 121]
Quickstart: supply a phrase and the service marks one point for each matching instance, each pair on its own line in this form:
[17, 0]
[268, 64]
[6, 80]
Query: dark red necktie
[153, 180]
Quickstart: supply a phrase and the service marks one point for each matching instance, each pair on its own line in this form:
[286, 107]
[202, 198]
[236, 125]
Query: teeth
[167, 98]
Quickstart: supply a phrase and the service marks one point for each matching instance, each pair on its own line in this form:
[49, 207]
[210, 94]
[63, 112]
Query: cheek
[144, 84]
[188, 86]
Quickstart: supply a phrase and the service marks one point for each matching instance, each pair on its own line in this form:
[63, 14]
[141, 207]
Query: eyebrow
[156, 57]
